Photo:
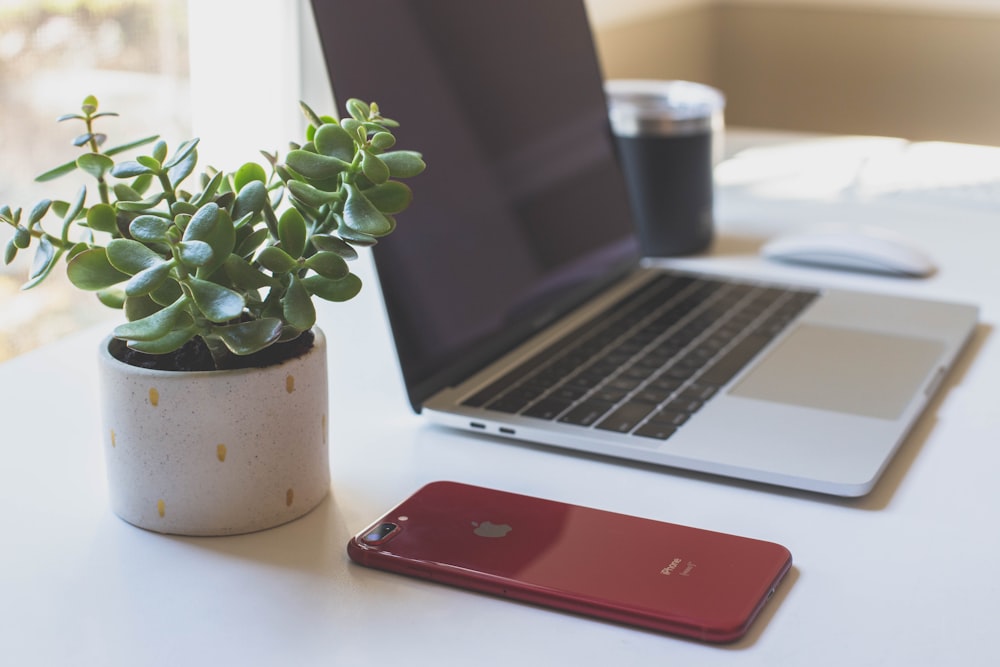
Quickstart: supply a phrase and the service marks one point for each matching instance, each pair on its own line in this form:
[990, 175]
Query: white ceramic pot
[216, 452]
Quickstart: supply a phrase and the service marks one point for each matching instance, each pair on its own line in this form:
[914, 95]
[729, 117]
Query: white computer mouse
[866, 249]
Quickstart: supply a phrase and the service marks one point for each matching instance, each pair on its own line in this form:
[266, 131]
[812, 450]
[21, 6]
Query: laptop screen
[522, 211]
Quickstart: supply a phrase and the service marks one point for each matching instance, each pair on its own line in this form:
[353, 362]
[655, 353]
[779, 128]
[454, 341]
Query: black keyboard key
[609, 394]
[509, 404]
[657, 431]
[626, 417]
[669, 417]
[548, 408]
[699, 392]
[569, 393]
[587, 412]
[723, 370]
[684, 405]
[653, 395]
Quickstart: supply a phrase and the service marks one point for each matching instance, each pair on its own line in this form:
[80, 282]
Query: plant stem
[102, 185]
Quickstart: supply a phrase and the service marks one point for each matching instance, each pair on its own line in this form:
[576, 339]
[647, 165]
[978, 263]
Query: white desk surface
[905, 576]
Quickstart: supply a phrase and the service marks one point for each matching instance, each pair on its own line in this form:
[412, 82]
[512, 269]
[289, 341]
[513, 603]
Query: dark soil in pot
[194, 356]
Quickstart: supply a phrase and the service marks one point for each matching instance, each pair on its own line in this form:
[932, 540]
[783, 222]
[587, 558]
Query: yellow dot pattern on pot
[154, 397]
[220, 452]
[290, 383]
[289, 497]
[113, 443]
[161, 508]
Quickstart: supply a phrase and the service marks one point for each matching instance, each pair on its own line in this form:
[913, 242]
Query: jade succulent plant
[231, 261]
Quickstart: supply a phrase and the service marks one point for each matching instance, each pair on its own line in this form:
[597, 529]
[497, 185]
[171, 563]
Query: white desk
[905, 576]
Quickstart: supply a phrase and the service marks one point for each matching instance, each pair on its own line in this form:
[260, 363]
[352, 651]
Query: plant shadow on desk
[312, 544]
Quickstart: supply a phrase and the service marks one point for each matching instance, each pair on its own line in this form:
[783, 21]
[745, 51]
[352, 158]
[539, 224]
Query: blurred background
[223, 70]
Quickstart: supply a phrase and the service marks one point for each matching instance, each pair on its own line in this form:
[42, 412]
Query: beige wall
[920, 75]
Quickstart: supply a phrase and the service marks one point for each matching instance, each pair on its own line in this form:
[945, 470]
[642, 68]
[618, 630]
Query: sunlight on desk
[43, 314]
[867, 168]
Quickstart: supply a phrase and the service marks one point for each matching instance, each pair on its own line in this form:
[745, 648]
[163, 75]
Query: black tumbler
[668, 137]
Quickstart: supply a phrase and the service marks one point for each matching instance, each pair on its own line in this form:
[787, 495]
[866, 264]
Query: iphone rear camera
[380, 533]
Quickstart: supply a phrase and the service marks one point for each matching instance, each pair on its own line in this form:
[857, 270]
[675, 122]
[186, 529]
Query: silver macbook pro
[519, 305]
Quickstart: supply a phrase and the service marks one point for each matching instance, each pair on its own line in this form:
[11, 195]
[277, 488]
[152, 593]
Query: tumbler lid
[642, 107]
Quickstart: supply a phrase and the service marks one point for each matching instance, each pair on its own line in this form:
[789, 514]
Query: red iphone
[656, 575]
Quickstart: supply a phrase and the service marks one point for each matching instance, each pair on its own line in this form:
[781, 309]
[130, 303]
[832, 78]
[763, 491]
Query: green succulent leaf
[355, 128]
[39, 211]
[329, 265]
[210, 190]
[403, 164]
[160, 151]
[381, 141]
[333, 141]
[362, 215]
[311, 195]
[102, 218]
[292, 232]
[148, 279]
[129, 146]
[358, 109]
[130, 256]
[125, 192]
[140, 206]
[218, 303]
[10, 252]
[141, 183]
[151, 163]
[178, 172]
[195, 254]
[183, 152]
[254, 240]
[327, 243]
[222, 239]
[74, 209]
[276, 260]
[390, 197]
[148, 228]
[297, 307]
[202, 223]
[251, 198]
[170, 342]
[310, 115]
[243, 275]
[179, 208]
[92, 271]
[315, 166]
[45, 259]
[130, 169]
[95, 164]
[249, 337]
[22, 237]
[76, 250]
[138, 307]
[112, 297]
[167, 293]
[374, 168]
[356, 238]
[248, 173]
[333, 290]
[56, 172]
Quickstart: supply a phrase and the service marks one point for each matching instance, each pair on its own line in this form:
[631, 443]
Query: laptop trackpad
[857, 372]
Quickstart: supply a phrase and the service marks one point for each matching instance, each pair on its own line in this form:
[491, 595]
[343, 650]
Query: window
[131, 54]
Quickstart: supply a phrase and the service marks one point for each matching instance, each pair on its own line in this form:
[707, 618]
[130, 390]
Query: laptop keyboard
[652, 360]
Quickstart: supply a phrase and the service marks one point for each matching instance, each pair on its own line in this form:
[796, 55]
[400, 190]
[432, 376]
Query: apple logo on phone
[490, 529]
